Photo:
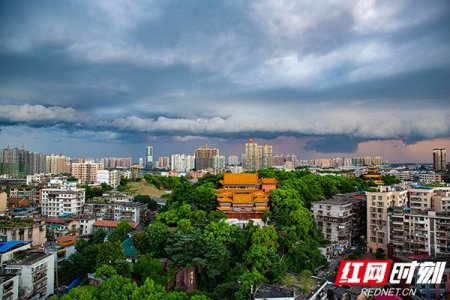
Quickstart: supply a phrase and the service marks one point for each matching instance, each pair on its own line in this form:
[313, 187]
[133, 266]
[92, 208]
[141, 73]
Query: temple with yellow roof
[244, 197]
[372, 173]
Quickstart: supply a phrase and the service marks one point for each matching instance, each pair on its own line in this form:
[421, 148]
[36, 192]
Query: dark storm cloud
[228, 70]
[334, 144]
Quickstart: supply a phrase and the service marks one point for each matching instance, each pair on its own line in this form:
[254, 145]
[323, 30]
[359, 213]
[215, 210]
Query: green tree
[219, 231]
[148, 267]
[184, 247]
[151, 204]
[79, 293]
[153, 239]
[109, 253]
[247, 280]
[119, 234]
[105, 270]
[115, 288]
[98, 237]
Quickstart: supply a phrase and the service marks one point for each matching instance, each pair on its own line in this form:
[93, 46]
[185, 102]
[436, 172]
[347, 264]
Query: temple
[372, 173]
[244, 197]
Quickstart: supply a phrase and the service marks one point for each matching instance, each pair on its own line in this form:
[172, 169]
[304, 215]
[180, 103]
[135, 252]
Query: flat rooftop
[30, 258]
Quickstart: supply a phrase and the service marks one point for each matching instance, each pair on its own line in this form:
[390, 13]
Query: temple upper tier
[244, 196]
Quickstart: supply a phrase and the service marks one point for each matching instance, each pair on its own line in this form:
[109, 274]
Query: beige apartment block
[378, 204]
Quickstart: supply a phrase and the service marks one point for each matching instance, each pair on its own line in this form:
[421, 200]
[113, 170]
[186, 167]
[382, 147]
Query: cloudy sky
[314, 78]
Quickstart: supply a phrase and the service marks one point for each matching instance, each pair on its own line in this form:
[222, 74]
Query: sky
[313, 78]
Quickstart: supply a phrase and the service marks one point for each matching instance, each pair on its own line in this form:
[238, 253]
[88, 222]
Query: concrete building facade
[339, 219]
[58, 201]
[378, 204]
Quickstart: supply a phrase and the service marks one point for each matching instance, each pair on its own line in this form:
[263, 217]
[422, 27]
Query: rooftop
[67, 240]
[6, 222]
[16, 200]
[337, 201]
[269, 180]
[30, 258]
[58, 220]
[246, 178]
[128, 248]
[112, 224]
[270, 291]
[7, 246]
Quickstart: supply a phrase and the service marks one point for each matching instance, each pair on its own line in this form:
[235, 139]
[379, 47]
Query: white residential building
[9, 287]
[111, 178]
[58, 201]
[182, 162]
[36, 274]
[430, 177]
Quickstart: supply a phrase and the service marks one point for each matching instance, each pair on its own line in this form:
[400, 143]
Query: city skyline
[317, 80]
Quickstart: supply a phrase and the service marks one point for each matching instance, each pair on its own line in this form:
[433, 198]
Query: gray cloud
[227, 70]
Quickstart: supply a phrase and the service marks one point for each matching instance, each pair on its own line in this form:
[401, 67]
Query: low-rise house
[57, 227]
[17, 202]
[32, 194]
[87, 224]
[23, 230]
[108, 226]
[117, 210]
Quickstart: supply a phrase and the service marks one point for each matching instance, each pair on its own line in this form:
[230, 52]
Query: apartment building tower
[439, 159]
[204, 157]
[62, 201]
[339, 219]
[86, 172]
[257, 157]
[378, 204]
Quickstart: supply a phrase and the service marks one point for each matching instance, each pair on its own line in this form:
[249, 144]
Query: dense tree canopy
[227, 259]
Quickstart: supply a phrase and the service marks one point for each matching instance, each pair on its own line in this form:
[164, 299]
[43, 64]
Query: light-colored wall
[3, 200]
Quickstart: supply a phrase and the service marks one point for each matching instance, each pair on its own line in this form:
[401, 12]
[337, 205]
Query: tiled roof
[67, 240]
[109, 223]
[242, 198]
[269, 180]
[16, 200]
[128, 248]
[58, 220]
[230, 178]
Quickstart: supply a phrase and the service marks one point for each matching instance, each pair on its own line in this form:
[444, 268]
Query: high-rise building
[57, 164]
[266, 157]
[164, 162]
[14, 162]
[233, 160]
[218, 163]
[182, 162]
[439, 159]
[204, 157]
[116, 162]
[251, 156]
[149, 157]
[86, 172]
[257, 157]
[423, 226]
[378, 204]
